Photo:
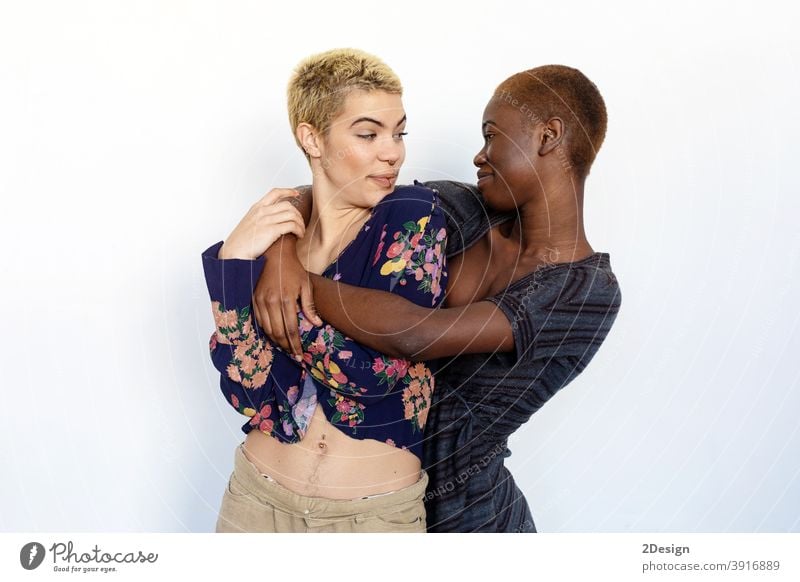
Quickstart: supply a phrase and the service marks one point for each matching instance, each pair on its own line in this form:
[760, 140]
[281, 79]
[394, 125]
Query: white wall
[133, 135]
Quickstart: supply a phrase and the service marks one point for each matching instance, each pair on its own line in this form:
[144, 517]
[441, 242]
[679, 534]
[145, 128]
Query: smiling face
[507, 173]
[360, 155]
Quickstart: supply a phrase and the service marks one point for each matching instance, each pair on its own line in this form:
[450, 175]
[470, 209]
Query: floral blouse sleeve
[252, 371]
[261, 381]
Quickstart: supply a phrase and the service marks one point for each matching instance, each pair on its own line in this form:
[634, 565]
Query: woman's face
[363, 150]
[507, 161]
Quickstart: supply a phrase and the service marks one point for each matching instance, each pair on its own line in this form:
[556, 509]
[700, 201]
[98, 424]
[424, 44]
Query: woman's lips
[384, 181]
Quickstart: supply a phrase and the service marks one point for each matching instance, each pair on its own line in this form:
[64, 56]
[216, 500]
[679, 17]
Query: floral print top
[365, 394]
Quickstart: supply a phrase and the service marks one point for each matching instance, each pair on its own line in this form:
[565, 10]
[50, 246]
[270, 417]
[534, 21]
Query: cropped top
[365, 394]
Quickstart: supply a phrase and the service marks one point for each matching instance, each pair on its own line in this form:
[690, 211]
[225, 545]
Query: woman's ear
[552, 135]
[309, 139]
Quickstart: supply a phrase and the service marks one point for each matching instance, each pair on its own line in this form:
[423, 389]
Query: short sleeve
[466, 213]
[564, 311]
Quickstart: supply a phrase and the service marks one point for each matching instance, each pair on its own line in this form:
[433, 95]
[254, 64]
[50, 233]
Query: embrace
[385, 341]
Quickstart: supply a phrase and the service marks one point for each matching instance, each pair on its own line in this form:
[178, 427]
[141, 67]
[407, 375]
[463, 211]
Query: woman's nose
[480, 158]
[391, 152]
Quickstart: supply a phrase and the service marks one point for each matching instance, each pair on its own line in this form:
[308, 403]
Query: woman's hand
[268, 219]
[275, 303]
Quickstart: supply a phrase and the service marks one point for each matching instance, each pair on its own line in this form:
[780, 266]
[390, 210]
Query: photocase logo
[65, 558]
[31, 555]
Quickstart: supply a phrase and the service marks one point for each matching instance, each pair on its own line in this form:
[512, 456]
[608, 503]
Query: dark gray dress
[560, 315]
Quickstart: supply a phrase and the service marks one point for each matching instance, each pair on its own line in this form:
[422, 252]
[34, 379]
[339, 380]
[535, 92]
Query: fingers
[259, 306]
[293, 199]
[282, 206]
[276, 194]
[277, 217]
[262, 316]
[285, 216]
[298, 230]
[275, 311]
[307, 300]
[276, 231]
[289, 309]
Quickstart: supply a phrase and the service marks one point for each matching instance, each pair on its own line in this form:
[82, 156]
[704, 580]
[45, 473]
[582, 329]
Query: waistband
[271, 492]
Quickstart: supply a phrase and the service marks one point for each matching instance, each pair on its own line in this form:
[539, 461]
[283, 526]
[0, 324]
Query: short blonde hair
[321, 82]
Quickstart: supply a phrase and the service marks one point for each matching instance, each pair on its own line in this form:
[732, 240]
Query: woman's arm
[417, 333]
[282, 282]
[413, 266]
[257, 377]
[412, 331]
[250, 369]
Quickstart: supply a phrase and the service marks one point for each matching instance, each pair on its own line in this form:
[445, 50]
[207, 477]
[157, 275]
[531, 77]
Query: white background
[133, 135]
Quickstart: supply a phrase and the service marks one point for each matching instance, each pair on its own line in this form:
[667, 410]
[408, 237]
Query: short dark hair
[559, 91]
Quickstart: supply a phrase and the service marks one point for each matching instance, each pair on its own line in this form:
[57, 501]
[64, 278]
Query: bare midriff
[328, 463]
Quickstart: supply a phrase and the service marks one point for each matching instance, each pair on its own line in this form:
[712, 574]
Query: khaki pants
[255, 503]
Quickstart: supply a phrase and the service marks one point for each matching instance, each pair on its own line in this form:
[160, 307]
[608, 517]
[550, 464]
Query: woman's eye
[367, 136]
[487, 136]
[399, 136]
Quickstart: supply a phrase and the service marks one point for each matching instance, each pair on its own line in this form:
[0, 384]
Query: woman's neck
[550, 226]
[332, 226]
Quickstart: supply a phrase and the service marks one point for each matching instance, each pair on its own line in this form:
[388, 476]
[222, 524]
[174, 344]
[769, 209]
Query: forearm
[397, 320]
[362, 314]
[400, 328]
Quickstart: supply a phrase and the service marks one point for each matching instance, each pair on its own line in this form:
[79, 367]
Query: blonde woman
[334, 437]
